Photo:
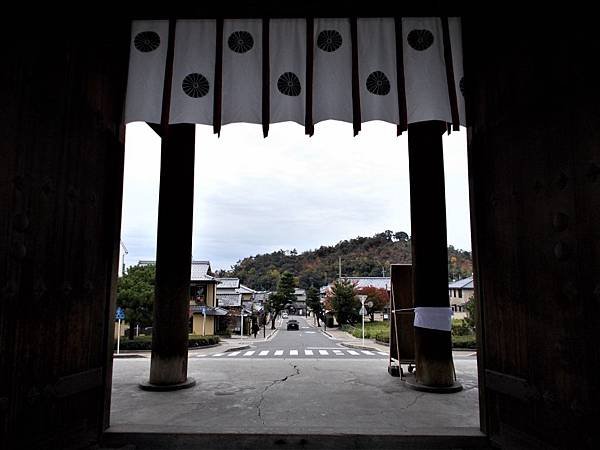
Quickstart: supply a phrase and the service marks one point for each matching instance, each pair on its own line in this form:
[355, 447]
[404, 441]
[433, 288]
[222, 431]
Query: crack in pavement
[273, 383]
[417, 397]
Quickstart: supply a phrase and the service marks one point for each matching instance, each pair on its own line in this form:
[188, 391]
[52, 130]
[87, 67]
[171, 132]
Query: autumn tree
[379, 297]
[344, 302]
[135, 294]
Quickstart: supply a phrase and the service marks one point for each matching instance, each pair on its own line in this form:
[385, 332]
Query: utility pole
[124, 253]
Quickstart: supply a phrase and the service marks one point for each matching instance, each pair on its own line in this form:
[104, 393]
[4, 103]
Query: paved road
[307, 342]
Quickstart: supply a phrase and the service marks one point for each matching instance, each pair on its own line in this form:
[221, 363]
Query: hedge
[145, 342]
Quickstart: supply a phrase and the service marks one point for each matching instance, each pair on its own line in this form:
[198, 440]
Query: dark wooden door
[534, 166]
[61, 166]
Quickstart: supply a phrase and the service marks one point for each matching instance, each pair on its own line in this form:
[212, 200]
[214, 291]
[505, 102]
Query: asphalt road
[307, 342]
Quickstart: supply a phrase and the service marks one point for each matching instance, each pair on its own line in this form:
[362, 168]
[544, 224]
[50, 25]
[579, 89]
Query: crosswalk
[296, 353]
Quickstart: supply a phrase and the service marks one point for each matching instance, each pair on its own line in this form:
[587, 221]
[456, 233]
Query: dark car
[293, 325]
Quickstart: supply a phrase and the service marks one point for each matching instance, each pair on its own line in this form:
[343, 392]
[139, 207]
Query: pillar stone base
[412, 383]
[188, 383]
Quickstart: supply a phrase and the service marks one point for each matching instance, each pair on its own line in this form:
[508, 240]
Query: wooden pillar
[168, 368]
[433, 348]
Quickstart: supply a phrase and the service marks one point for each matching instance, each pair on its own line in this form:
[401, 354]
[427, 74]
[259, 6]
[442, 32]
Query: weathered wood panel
[535, 190]
[61, 165]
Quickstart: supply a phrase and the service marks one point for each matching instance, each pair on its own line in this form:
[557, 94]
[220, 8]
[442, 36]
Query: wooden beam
[433, 348]
[173, 257]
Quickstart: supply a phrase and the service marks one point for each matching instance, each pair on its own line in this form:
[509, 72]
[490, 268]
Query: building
[460, 292]
[203, 312]
[234, 297]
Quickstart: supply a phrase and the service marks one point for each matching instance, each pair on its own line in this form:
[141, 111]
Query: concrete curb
[128, 355]
[361, 347]
[233, 349]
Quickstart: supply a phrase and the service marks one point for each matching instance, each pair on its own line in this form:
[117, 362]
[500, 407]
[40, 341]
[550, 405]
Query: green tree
[284, 296]
[471, 313]
[313, 301]
[135, 294]
[344, 302]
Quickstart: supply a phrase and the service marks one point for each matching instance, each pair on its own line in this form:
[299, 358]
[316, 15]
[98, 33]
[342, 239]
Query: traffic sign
[120, 314]
[363, 311]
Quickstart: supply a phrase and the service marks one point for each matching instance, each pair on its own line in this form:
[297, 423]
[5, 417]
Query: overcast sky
[254, 195]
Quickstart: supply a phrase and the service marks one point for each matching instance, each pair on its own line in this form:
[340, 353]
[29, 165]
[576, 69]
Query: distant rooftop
[228, 283]
[377, 282]
[199, 271]
[465, 283]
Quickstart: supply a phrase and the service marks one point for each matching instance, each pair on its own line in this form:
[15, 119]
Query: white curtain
[145, 81]
[457, 64]
[192, 88]
[287, 62]
[332, 70]
[377, 70]
[425, 70]
[242, 71]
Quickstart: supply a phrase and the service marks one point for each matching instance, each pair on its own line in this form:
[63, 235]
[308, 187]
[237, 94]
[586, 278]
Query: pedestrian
[255, 328]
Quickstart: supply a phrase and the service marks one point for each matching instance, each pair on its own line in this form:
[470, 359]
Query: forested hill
[361, 256]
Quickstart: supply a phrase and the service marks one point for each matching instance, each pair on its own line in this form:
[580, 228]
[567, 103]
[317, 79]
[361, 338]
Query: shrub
[145, 342]
[460, 328]
[464, 342]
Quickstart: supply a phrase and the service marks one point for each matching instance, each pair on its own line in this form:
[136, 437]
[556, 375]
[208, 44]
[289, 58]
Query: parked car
[293, 325]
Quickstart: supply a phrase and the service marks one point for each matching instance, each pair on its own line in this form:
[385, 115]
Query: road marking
[367, 352]
[323, 352]
[293, 352]
[310, 332]
[234, 353]
[305, 328]
[308, 352]
[200, 356]
[251, 352]
[383, 353]
[219, 354]
[263, 353]
[278, 352]
[352, 352]
[338, 352]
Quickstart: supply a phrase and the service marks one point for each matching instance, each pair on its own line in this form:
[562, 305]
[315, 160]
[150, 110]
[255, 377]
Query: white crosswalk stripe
[296, 352]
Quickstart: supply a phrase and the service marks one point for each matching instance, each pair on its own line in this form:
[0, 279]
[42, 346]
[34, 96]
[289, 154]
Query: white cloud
[255, 195]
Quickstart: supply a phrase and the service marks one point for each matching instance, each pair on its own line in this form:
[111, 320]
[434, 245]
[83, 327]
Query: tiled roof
[245, 290]
[377, 282]
[231, 283]
[465, 283]
[200, 271]
[229, 299]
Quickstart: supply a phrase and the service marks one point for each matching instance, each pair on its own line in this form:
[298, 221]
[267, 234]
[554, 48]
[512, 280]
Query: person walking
[255, 329]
